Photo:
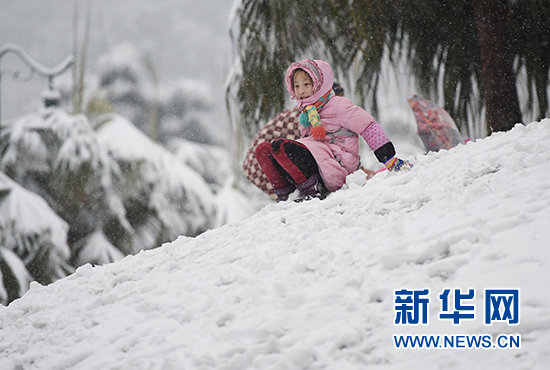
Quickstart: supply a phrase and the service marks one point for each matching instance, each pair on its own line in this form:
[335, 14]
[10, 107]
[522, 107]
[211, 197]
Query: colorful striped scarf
[310, 116]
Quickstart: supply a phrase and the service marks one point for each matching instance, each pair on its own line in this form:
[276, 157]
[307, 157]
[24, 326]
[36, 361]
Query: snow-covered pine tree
[117, 191]
[134, 191]
[162, 196]
[33, 241]
[58, 156]
[129, 85]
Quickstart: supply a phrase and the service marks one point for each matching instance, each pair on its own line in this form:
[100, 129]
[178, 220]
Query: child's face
[303, 85]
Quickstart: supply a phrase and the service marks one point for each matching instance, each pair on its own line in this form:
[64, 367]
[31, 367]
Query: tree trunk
[497, 70]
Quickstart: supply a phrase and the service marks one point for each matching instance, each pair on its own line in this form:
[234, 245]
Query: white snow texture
[311, 285]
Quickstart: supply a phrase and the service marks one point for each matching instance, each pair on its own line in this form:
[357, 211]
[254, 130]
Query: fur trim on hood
[321, 74]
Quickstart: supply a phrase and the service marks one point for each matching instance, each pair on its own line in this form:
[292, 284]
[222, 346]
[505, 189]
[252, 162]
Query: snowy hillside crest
[310, 285]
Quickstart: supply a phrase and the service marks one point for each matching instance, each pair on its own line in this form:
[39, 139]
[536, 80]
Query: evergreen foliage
[58, 157]
[162, 197]
[99, 198]
[128, 84]
[438, 39]
[33, 243]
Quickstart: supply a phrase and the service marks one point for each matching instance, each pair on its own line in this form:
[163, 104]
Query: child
[318, 163]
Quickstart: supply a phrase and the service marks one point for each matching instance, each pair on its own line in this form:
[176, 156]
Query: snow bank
[311, 285]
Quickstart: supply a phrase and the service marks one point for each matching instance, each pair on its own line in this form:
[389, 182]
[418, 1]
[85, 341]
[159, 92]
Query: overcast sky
[185, 38]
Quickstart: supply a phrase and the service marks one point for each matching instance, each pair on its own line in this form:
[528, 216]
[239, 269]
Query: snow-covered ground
[312, 285]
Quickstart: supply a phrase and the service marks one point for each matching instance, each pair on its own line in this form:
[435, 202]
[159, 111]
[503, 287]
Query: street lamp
[51, 96]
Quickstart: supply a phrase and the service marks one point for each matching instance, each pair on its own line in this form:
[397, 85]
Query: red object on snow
[436, 128]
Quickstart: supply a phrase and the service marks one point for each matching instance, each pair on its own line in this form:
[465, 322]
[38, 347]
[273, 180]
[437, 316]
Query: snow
[232, 204]
[31, 215]
[97, 248]
[124, 141]
[211, 162]
[311, 285]
[18, 269]
[23, 216]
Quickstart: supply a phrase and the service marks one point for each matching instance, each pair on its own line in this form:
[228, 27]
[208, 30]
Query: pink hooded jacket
[337, 155]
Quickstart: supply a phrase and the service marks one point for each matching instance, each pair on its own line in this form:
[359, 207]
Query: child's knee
[276, 144]
[263, 149]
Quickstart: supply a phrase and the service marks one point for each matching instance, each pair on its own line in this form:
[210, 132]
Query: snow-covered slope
[311, 285]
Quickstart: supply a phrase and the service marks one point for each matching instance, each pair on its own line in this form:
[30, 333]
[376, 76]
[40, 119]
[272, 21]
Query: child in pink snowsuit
[328, 151]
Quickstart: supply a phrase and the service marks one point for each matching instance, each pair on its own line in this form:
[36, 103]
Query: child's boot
[284, 192]
[312, 188]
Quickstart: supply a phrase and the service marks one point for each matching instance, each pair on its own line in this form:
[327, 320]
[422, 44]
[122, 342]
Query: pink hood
[321, 74]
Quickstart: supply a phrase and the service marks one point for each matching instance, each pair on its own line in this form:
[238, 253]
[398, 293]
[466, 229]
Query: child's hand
[398, 164]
